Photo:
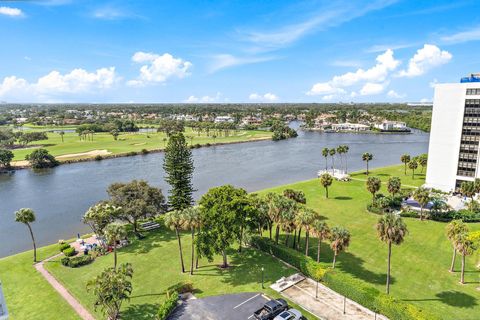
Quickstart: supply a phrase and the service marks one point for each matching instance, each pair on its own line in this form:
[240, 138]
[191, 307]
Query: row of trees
[413, 162]
[8, 138]
[341, 151]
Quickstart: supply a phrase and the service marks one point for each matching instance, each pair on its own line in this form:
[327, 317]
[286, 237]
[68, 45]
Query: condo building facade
[453, 152]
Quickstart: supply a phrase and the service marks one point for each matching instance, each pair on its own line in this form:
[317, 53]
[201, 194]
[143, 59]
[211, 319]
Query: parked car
[271, 309]
[290, 314]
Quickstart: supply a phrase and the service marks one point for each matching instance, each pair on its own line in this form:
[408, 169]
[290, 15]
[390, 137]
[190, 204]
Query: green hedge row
[76, 262]
[345, 284]
[167, 306]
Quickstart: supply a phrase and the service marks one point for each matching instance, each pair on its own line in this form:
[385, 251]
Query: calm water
[60, 196]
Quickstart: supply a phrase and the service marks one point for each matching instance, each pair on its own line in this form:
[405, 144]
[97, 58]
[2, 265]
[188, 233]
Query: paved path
[79, 309]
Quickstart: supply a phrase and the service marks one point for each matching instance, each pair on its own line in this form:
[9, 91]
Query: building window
[473, 92]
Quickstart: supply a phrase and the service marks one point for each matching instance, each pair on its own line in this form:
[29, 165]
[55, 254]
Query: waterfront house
[353, 127]
[224, 119]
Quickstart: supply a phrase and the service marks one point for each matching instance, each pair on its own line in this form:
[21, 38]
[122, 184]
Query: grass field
[127, 142]
[419, 266]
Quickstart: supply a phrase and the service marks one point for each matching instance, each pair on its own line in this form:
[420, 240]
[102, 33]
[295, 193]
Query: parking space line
[246, 301]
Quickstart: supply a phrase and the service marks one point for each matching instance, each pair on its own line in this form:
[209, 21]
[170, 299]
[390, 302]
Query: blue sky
[234, 51]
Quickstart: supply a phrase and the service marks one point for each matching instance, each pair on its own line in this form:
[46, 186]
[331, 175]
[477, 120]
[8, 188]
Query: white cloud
[385, 64]
[426, 58]
[11, 12]
[464, 36]
[393, 94]
[267, 97]
[383, 47]
[159, 68]
[204, 99]
[370, 88]
[54, 84]
[222, 61]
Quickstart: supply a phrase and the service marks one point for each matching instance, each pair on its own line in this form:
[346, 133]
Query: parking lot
[233, 307]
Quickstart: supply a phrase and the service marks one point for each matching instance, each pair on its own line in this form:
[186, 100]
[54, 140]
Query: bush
[76, 262]
[345, 284]
[145, 151]
[167, 306]
[98, 158]
[69, 252]
[63, 246]
[131, 153]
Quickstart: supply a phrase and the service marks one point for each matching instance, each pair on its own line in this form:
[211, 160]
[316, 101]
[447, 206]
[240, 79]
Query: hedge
[70, 251]
[76, 262]
[63, 246]
[345, 284]
[167, 306]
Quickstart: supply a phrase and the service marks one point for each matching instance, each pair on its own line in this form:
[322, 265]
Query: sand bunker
[88, 154]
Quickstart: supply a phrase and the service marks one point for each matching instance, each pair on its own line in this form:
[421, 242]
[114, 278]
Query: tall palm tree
[174, 220]
[392, 230]
[61, 133]
[340, 153]
[453, 230]
[332, 154]
[367, 157]
[288, 219]
[340, 240]
[422, 196]
[115, 232]
[345, 151]
[373, 186]
[326, 153]
[322, 231]
[394, 184]
[305, 219]
[465, 247]
[405, 158]
[413, 165]
[27, 217]
[191, 217]
[326, 180]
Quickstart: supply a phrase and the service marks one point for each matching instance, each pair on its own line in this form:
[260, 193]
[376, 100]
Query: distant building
[354, 127]
[391, 126]
[251, 120]
[455, 134]
[71, 121]
[223, 119]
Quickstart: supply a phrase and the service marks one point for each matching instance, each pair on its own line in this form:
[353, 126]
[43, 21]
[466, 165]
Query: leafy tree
[325, 154]
[27, 217]
[453, 230]
[41, 158]
[322, 231]
[405, 158]
[220, 209]
[413, 165]
[28, 137]
[339, 241]
[326, 180]
[422, 196]
[467, 188]
[261, 218]
[111, 288]
[394, 184]
[367, 157]
[392, 230]
[373, 186]
[6, 156]
[178, 166]
[115, 134]
[138, 200]
[191, 218]
[115, 232]
[101, 215]
[465, 246]
[175, 221]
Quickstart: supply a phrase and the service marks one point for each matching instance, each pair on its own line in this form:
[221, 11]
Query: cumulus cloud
[426, 58]
[204, 99]
[393, 94]
[266, 97]
[55, 83]
[11, 12]
[159, 68]
[372, 78]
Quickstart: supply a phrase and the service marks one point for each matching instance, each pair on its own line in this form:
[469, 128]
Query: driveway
[232, 306]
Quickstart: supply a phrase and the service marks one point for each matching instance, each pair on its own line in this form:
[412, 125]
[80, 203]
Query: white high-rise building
[453, 152]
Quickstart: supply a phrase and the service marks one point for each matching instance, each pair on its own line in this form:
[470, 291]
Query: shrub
[98, 158]
[76, 262]
[65, 261]
[63, 246]
[145, 151]
[167, 306]
[69, 252]
[345, 284]
[131, 153]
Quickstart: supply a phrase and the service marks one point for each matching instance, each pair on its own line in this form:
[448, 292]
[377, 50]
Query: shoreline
[129, 154]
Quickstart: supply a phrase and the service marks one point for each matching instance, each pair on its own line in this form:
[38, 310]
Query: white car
[290, 314]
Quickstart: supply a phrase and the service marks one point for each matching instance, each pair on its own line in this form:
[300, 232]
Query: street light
[263, 287]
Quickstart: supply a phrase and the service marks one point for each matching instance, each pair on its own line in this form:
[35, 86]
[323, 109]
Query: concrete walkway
[79, 309]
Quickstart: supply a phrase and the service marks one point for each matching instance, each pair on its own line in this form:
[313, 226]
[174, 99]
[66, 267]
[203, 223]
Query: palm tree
[394, 184]
[466, 247]
[453, 230]
[367, 157]
[115, 232]
[345, 150]
[422, 196]
[340, 240]
[332, 154]
[62, 133]
[373, 186]
[322, 231]
[422, 161]
[326, 180]
[325, 153]
[174, 220]
[288, 219]
[468, 189]
[340, 153]
[305, 220]
[412, 165]
[192, 221]
[27, 217]
[391, 229]
[405, 158]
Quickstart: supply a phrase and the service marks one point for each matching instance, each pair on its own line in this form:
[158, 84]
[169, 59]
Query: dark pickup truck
[271, 309]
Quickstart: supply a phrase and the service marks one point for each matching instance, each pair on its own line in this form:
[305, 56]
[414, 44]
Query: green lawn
[129, 142]
[419, 266]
